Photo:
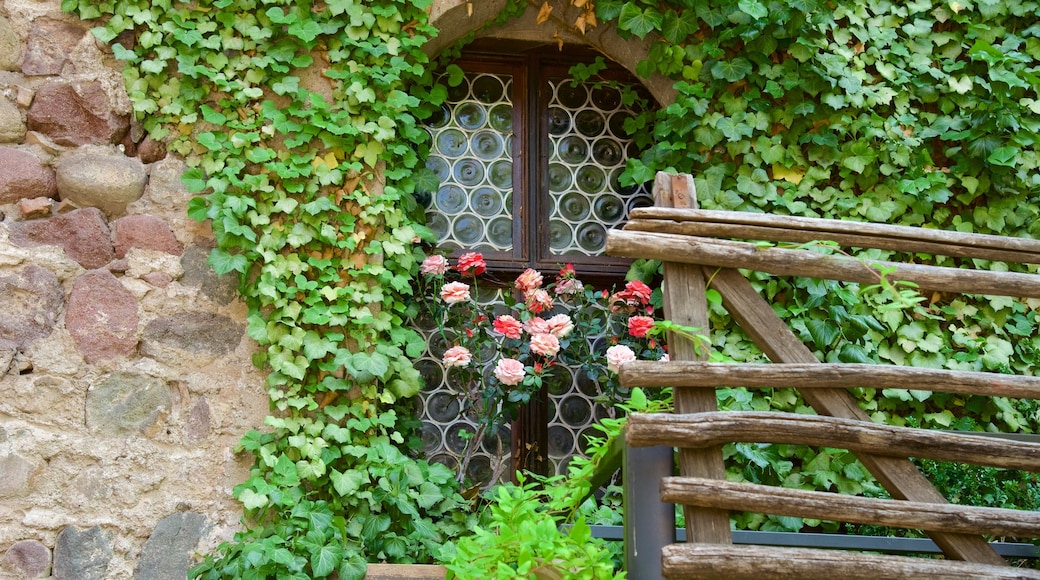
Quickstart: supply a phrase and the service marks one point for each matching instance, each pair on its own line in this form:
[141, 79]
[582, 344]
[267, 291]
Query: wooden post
[685, 303]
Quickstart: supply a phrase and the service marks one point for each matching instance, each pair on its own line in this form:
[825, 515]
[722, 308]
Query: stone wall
[125, 374]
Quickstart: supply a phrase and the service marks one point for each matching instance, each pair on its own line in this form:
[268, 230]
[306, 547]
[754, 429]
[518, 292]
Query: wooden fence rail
[685, 239]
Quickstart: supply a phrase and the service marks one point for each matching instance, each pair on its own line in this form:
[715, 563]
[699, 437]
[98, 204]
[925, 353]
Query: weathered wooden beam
[824, 376]
[828, 506]
[784, 262]
[685, 302]
[711, 562]
[898, 476]
[716, 428]
[784, 228]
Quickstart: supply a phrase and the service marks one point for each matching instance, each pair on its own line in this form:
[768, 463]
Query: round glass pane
[559, 121]
[445, 460]
[438, 224]
[469, 172]
[640, 201]
[470, 115]
[439, 118]
[493, 443]
[575, 410]
[573, 207]
[438, 166]
[571, 96]
[560, 235]
[607, 152]
[558, 382]
[609, 208]
[443, 407]
[617, 124]
[615, 183]
[561, 441]
[451, 143]
[457, 436]
[486, 201]
[431, 437]
[487, 145]
[500, 232]
[592, 237]
[431, 372]
[501, 118]
[573, 150]
[606, 98]
[590, 123]
[487, 89]
[560, 178]
[501, 174]
[451, 199]
[591, 179]
[468, 229]
[459, 92]
[479, 469]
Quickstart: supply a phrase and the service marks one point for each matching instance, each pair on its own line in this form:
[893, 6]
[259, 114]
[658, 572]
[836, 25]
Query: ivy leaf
[753, 8]
[823, 332]
[1005, 156]
[639, 22]
[347, 482]
[353, 567]
[224, 262]
[306, 30]
[325, 559]
[376, 364]
[252, 500]
[676, 27]
[731, 70]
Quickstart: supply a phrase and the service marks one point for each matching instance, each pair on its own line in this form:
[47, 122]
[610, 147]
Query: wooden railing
[686, 240]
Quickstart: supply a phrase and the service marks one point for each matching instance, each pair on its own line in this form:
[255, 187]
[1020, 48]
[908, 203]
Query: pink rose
[536, 325]
[510, 371]
[471, 264]
[560, 325]
[568, 287]
[456, 356]
[455, 292]
[507, 326]
[639, 290]
[434, 265]
[537, 300]
[545, 344]
[638, 326]
[618, 355]
[529, 279]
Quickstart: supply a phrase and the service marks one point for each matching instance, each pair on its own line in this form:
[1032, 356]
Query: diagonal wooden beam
[899, 476]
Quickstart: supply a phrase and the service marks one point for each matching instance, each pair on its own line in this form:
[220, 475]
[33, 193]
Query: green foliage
[299, 124]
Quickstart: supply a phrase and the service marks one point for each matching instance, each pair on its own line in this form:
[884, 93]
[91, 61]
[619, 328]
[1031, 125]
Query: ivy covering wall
[299, 121]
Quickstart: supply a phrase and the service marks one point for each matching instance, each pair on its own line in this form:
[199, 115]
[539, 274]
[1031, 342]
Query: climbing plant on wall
[921, 113]
[298, 122]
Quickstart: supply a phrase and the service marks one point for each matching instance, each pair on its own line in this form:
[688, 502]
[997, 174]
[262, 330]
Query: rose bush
[501, 352]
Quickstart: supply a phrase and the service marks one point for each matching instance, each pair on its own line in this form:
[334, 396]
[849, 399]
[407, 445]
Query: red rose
[638, 326]
[471, 264]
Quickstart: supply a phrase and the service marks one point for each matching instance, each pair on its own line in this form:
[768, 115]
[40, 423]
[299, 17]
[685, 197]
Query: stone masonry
[125, 374]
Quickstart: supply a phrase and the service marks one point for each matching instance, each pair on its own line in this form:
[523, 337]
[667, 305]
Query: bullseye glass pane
[472, 156]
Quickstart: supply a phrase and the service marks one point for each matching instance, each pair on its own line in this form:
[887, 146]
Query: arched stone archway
[456, 18]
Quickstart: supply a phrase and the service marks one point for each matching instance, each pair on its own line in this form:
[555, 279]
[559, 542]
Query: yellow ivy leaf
[794, 174]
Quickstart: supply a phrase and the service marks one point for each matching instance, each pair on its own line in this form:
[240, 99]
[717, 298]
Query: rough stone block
[145, 232]
[12, 127]
[15, 474]
[76, 113]
[199, 333]
[167, 554]
[83, 233]
[127, 402]
[30, 304]
[10, 46]
[81, 555]
[101, 317]
[22, 176]
[107, 182]
[49, 46]
[28, 559]
[198, 273]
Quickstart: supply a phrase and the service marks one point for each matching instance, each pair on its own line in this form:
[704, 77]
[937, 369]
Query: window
[529, 162]
[529, 166]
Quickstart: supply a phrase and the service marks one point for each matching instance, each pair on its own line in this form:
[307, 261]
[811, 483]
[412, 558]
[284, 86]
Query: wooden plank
[685, 303]
[711, 562]
[828, 506]
[899, 476]
[824, 376]
[782, 262]
[405, 572]
[823, 229]
[716, 428]
[780, 234]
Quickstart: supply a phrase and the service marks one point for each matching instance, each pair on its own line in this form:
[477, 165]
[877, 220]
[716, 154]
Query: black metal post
[649, 522]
